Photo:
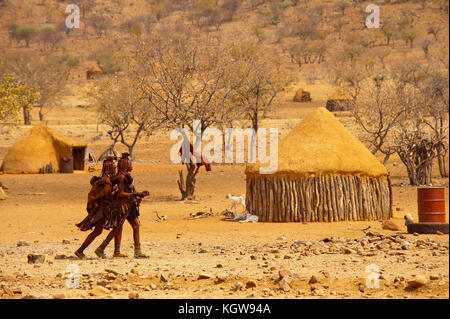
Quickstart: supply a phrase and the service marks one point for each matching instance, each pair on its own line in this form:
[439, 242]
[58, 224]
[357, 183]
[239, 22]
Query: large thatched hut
[43, 150]
[340, 100]
[324, 174]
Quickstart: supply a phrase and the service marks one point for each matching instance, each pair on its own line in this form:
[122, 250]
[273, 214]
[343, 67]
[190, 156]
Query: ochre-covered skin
[321, 146]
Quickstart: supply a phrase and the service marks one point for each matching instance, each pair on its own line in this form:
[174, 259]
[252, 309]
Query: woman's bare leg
[117, 241]
[90, 238]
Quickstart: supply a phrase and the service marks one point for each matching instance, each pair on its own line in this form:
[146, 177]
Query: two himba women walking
[112, 200]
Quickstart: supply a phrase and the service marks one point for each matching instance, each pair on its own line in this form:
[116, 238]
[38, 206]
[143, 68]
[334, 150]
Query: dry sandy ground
[42, 211]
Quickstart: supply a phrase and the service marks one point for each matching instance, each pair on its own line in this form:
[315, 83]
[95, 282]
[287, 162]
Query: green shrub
[108, 62]
[25, 33]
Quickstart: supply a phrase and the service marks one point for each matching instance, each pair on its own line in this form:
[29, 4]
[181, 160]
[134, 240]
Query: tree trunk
[131, 152]
[442, 166]
[26, 116]
[441, 161]
[255, 121]
[187, 188]
[41, 113]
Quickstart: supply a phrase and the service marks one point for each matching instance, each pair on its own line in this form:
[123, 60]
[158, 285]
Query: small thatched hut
[93, 72]
[43, 150]
[302, 96]
[324, 174]
[340, 100]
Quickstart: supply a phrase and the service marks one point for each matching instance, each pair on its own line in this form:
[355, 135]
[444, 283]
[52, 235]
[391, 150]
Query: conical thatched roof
[340, 94]
[94, 68]
[36, 149]
[321, 146]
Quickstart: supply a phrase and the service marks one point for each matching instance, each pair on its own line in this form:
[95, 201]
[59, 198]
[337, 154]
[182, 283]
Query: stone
[285, 273]
[21, 243]
[112, 271]
[102, 283]
[36, 259]
[163, 278]
[439, 233]
[405, 245]
[275, 277]
[285, 284]
[313, 280]
[382, 246]
[361, 287]
[250, 284]
[65, 242]
[152, 286]
[237, 286]
[134, 271]
[99, 290]
[111, 277]
[219, 266]
[434, 277]
[348, 251]
[59, 296]
[418, 281]
[221, 278]
[204, 276]
[133, 295]
[416, 234]
[2, 194]
[390, 225]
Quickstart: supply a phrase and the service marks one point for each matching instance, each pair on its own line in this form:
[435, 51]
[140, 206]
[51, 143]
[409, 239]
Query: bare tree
[431, 82]
[434, 30]
[185, 81]
[378, 111]
[260, 79]
[50, 37]
[416, 150]
[406, 114]
[128, 114]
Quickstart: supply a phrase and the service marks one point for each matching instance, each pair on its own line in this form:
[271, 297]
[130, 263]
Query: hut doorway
[78, 158]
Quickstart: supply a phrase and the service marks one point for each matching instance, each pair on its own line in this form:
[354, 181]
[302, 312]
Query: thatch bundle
[340, 100]
[43, 150]
[324, 174]
[302, 96]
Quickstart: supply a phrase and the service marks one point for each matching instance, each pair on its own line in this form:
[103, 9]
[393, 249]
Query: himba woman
[125, 207]
[100, 200]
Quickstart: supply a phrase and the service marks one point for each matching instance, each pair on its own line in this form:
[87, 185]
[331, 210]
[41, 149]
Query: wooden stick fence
[319, 199]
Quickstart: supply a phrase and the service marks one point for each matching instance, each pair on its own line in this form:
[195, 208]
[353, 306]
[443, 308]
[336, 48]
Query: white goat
[245, 217]
[408, 219]
[249, 218]
[236, 217]
[236, 200]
